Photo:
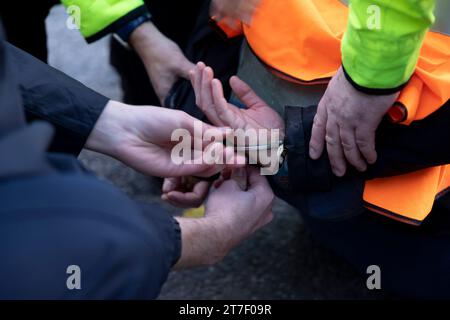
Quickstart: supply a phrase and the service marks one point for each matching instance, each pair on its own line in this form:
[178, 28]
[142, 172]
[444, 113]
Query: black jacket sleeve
[401, 149]
[50, 95]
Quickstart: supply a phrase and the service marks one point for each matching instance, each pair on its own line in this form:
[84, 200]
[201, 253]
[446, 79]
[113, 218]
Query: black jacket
[55, 215]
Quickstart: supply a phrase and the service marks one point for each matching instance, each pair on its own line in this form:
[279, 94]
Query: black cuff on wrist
[130, 16]
[372, 91]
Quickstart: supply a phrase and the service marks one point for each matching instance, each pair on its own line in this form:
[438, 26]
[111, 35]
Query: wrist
[146, 39]
[108, 133]
[202, 243]
[123, 33]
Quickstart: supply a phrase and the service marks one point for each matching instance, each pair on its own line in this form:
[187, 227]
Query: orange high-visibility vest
[300, 41]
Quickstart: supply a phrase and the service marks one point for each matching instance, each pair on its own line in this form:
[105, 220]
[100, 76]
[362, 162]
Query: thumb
[246, 94]
[185, 67]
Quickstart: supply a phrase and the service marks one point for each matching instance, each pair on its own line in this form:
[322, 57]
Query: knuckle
[331, 140]
[318, 122]
[364, 143]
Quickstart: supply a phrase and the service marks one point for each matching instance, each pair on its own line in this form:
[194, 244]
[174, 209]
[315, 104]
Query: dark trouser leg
[414, 261]
[24, 24]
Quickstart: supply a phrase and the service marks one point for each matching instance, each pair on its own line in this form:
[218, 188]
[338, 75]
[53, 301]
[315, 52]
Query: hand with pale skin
[346, 122]
[163, 59]
[185, 192]
[241, 10]
[231, 216]
[141, 137]
[210, 99]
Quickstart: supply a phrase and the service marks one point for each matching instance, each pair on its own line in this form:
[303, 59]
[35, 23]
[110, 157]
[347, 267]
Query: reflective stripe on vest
[300, 40]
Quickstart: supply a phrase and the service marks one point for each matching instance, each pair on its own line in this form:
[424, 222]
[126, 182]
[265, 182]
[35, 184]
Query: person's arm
[401, 149]
[162, 58]
[130, 22]
[380, 50]
[50, 95]
[382, 42]
[231, 216]
[98, 18]
[138, 136]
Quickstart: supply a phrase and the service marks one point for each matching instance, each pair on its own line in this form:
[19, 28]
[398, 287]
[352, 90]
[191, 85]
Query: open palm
[210, 99]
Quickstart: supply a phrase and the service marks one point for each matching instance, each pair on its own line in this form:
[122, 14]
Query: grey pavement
[282, 261]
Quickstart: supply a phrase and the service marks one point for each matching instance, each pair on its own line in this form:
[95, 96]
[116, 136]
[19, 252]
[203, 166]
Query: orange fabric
[429, 87]
[299, 38]
[411, 195]
[300, 41]
[230, 27]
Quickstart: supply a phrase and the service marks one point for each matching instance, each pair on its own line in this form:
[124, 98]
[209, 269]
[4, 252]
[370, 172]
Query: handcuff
[280, 149]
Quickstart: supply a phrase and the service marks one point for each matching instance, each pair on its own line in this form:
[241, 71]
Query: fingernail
[337, 172]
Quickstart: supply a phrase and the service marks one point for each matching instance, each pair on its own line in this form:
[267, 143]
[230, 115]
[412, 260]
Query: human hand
[346, 121]
[141, 137]
[163, 59]
[185, 192]
[210, 99]
[234, 9]
[231, 216]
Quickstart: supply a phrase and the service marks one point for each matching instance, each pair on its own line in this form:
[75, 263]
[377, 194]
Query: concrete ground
[281, 262]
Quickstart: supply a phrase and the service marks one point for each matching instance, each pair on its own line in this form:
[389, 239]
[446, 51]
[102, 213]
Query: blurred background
[281, 262]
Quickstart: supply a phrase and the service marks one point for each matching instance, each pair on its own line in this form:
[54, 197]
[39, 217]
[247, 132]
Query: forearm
[200, 243]
[108, 131]
[50, 95]
[99, 18]
[146, 40]
[382, 42]
[401, 149]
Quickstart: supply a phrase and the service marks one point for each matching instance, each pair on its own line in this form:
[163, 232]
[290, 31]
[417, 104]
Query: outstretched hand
[141, 137]
[210, 99]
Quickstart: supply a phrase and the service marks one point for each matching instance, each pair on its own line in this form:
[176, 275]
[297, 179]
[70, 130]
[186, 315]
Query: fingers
[266, 218]
[240, 176]
[334, 148]
[350, 148]
[247, 10]
[190, 199]
[170, 184]
[365, 140]
[317, 142]
[228, 186]
[223, 110]
[245, 93]
[195, 76]
[206, 90]
[201, 78]
[258, 184]
[185, 69]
